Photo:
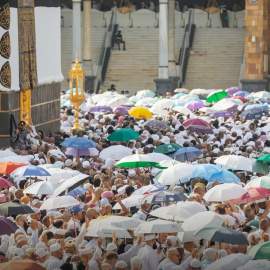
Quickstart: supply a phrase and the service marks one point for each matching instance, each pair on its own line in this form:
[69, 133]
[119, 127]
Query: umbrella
[70, 184]
[162, 104]
[58, 202]
[122, 109]
[181, 90]
[7, 153]
[14, 209]
[17, 159]
[57, 153]
[166, 164]
[235, 162]
[186, 153]
[7, 227]
[255, 265]
[222, 114]
[205, 171]
[260, 251]
[77, 191]
[222, 235]
[145, 94]
[224, 192]
[216, 96]
[44, 188]
[57, 175]
[253, 194]
[115, 152]
[180, 104]
[5, 183]
[200, 129]
[233, 89]
[263, 182]
[202, 220]
[194, 105]
[162, 196]
[241, 94]
[145, 102]
[176, 96]
[265, 158]
[261, 94]
[100, 109]
[179, 173]
[48, 166]
[167, 149]
[162, 212]
[105, 231]
[158, 226]
[244, 100]
[9, 167]
[157, 157]
[259, 167]
[224, 105]
[195, 122]
[140, 112]
[156, 124]
[135, 161]
[254, 113]
[117, 101]
[25, 264]
[182, 110]
[224, 177]
[82, 152]
[149, 188]
[78, 142]
[122, 135]
[232, 261]
[129, 202]
[186, 209]
[30, 170]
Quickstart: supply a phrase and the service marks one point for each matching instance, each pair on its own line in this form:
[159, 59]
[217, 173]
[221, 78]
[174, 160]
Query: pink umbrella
[194, 105]
[4, 183]
[82, 152]
[196, 121]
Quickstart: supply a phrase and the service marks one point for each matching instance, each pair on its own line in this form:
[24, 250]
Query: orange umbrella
[9, 167]
[25, 264]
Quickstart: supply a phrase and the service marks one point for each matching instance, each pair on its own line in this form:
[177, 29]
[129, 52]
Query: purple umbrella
[82, 152]
[200, 129]
[232, 90]
[222, 114]
[233, 109]
[122, 109]
[194, 105]
[241, 94]
[7, 227]
[100, 109]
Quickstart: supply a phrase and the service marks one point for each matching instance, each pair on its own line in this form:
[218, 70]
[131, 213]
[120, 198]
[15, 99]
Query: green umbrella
[135, 161]
[260, 251]
[216, 96]
[167, 149]
[263, 182]
[259, 167]
[265, 158]
[122, 135]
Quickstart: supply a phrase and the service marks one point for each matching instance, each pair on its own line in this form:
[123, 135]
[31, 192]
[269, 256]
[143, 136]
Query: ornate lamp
[76, 76]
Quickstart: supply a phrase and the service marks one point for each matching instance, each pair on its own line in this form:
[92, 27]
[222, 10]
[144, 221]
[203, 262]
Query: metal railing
[105, 51]
[186, 46]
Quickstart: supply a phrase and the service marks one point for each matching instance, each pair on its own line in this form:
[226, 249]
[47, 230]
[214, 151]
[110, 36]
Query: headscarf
[210, 254]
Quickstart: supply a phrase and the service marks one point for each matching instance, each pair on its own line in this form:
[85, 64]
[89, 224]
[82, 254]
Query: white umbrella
[186, 209]
[115, 152]
[176, 174]
[261, 94]
[7, 153]
[17, 158]
[232, 261]
[105, 231]
[168, 163]
[224, 104]
[255, 265]
[224, 192]
[235, 162]
[145, 102]
[183, 110]
[158, 226]
[164, 103]
[58, 202]
[129, 202]
[44, 188]
[57, 175]
[144, 94]
[201, 220]
[199, 91]
[162, 212]
[148, 188]
[117, 101]
[181, 90]
[57, 153]
[158, 157]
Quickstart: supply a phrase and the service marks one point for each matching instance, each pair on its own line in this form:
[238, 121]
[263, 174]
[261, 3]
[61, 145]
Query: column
[87, 46]
[76, 30]
[256, 46]
[171, 35]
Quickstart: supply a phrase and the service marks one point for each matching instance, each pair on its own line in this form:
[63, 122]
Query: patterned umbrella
[156, 124]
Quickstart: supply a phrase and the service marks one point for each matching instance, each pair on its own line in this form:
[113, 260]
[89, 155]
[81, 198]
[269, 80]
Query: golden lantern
[76, 76]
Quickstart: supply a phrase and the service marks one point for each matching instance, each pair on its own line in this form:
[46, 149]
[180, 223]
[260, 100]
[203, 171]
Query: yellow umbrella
[140, 112]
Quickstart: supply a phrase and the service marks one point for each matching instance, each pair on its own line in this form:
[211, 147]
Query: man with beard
[55, 261]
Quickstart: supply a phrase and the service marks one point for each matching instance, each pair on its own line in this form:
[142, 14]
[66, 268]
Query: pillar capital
[163, 2]
[76, 1]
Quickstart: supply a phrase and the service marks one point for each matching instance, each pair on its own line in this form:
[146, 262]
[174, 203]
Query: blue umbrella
[205, 171]
[31, 170]
[67, 104]
[193, 99]
[241, 94]
[178, 103]
[252, 106]
[176, 96]
[224, 177]
[254, 113]
[79, 143]
[77, 191]
[186, 153]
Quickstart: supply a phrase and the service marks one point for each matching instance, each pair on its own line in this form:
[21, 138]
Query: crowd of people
[109, 225]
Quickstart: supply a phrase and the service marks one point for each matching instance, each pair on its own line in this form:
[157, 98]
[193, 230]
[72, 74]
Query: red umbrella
[241, 98]
[253, 194]
[196, 122]
[4, 183]
[9, 167]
